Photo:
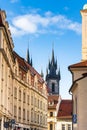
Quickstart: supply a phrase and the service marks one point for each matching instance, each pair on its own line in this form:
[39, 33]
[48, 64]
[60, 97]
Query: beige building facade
[23, 92]
[79, 77]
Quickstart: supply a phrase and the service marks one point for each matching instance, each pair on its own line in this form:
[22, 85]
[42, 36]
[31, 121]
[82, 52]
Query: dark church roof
[52, 72]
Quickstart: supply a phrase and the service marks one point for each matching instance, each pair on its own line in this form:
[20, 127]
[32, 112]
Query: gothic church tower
[53, 76]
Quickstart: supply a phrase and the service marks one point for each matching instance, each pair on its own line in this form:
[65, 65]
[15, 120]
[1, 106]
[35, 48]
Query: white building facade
[79, 77]
[23, 92]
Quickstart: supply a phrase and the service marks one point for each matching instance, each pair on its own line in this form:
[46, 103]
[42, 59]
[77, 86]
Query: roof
[52, 101]
[79, 65]
[25, 66]
[82, 64]
[65, 109]
[84, 10]
[84, 75]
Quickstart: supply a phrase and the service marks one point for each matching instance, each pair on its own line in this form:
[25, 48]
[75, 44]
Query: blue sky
[43, 24]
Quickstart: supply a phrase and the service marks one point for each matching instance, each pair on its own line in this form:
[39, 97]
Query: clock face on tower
[85, 7]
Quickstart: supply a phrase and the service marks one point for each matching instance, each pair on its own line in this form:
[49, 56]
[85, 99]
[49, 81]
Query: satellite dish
[85, 7]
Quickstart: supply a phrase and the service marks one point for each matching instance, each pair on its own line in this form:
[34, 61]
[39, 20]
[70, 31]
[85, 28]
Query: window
[28, 99]
[35, 102]
[19, 113]
[20, 95]
[69, 127]
[15, 92]
[51, 103]
[53, 87]
[51, 126]
[51, 114]
[35, 117]
[15, 111]
[63, 126]
[38, 103]
[27, 115]
[31, 115]
[24, 97]
[24, 77]
[32, 100]
[38, 118]
[41, 104]
[41, 118]
[23, 114]
[32, 81]
[20, 74]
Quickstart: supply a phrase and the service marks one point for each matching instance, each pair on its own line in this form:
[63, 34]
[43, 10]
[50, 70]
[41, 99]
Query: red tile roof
[84, 10]
[80, 64]
[65, 109]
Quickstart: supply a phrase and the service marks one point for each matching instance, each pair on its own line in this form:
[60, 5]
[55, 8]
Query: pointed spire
[53, 59]
[49, 64]
[46, 71]
[59, 74]
[28, 56]
[52, 55]
[42, 75]
[31, 62]
[56, 63]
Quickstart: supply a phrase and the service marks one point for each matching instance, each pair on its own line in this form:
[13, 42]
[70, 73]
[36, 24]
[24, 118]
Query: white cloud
[48, 22]
[75, 27]
[15, 31]
[25, 23]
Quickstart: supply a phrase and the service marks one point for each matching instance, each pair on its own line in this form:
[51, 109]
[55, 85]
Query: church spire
[28, 57]
[52, 65]
[59, 75]
[42, 75]
[53, 59]
[53, 75]
[31, 62]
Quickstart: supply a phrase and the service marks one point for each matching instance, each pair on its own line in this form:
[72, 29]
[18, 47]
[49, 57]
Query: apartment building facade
[23, 92]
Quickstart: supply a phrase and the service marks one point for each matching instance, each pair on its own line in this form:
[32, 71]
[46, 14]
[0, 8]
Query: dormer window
[51, 103]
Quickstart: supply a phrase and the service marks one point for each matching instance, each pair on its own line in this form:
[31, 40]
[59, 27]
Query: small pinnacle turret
[42, 75]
